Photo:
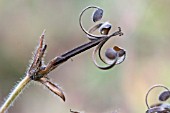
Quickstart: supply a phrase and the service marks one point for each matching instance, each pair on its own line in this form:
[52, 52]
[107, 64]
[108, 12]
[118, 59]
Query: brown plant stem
[75, 51]
[36, 72]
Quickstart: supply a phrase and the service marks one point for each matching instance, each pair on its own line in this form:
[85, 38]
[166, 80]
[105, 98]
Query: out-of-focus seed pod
[159, 108]
[164, 96]
[74, 111]
[121, 54]
[111, 54]
[156, 110]
[105, 28]
[97, 15]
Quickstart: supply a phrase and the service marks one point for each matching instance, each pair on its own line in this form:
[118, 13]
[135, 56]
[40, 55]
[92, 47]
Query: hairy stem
[14, 94]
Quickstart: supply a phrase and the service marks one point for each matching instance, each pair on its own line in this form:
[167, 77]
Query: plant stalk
[56, 61]
[14, 94]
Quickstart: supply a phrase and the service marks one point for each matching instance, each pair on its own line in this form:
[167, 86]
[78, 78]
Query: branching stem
[38, 70]
[55, 62]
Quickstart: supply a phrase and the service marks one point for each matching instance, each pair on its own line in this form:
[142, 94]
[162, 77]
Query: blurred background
[122, 89]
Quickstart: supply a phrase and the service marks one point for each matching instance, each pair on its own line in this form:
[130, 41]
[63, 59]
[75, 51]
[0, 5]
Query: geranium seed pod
[120, 51]
[105, 28]
[111, 53]
[156, 110]
[97, 15]
[74, 111]
[164, 96]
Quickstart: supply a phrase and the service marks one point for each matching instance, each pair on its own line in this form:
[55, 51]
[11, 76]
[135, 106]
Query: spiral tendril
[104, 28]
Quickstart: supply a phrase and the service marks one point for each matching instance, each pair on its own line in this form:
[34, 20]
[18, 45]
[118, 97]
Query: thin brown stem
[64, 57]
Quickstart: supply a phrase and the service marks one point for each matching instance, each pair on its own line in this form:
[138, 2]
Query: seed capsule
[97, 15]
[164, 96]
[111, 53]
[105, 28]
[120, 51]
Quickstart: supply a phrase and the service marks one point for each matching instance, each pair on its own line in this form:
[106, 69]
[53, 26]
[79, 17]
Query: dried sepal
[37, 61]
[53, 87]
[40, 51]
[164, 96]
[97, 15]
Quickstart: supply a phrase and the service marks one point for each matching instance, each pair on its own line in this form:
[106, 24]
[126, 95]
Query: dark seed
[164, 96]
[105, 28]
[111, 53]
[97, 15]
[120, 51]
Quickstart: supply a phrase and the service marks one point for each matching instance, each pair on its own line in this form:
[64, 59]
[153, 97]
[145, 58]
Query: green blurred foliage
[145, 24]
